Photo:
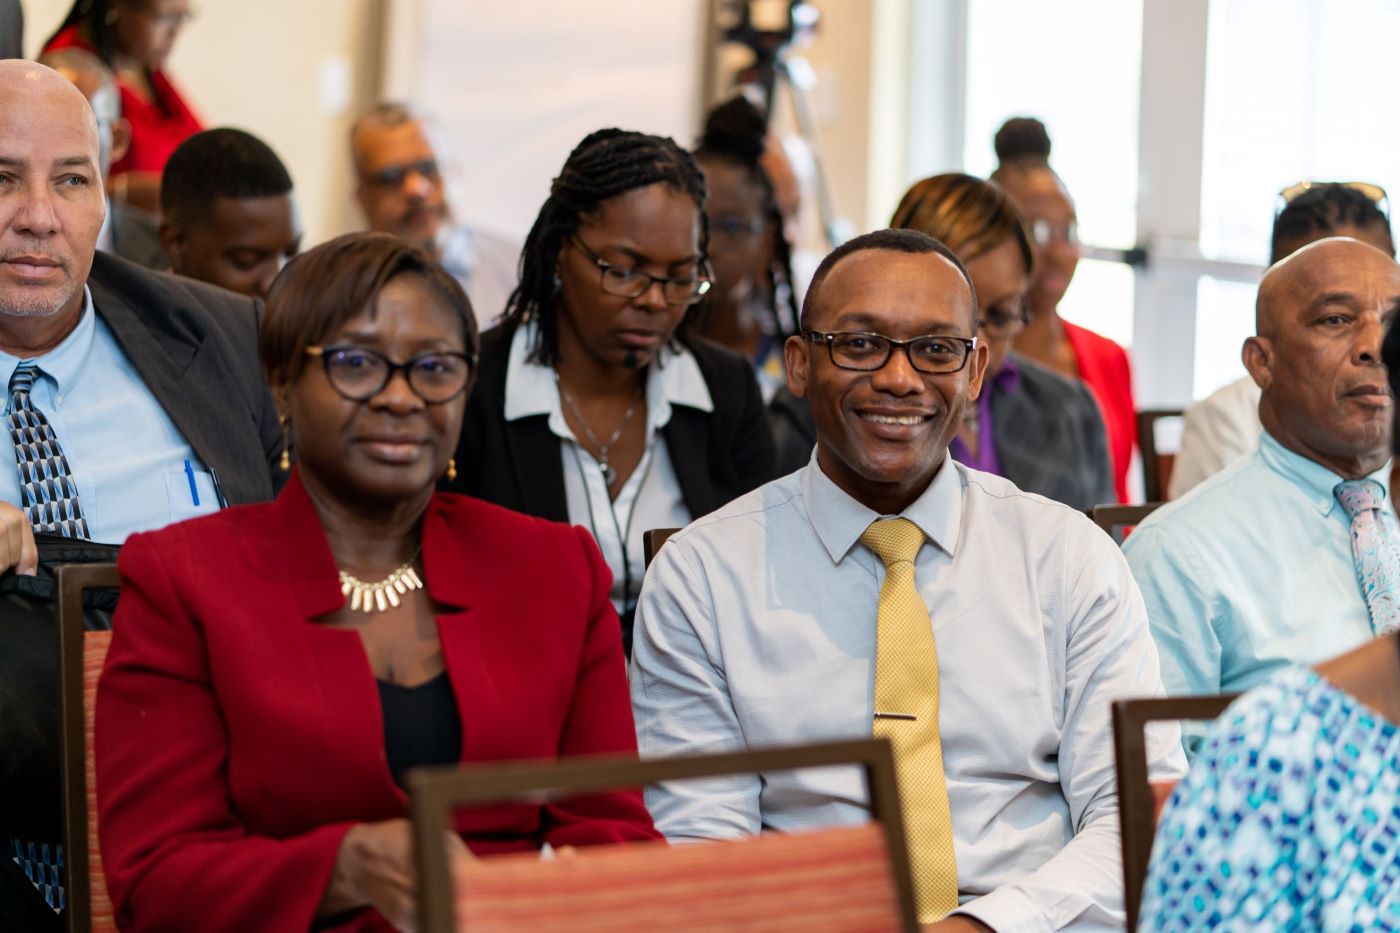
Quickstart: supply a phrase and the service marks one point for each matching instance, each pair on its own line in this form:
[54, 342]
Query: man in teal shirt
[1291, 555]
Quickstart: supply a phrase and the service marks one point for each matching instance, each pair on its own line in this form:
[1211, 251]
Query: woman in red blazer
[275, 669]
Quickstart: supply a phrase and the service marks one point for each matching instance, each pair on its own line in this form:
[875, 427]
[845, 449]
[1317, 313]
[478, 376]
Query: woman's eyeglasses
[625, 282]
[359, 374]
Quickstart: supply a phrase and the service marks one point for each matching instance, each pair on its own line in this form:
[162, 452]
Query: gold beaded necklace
[371, 597]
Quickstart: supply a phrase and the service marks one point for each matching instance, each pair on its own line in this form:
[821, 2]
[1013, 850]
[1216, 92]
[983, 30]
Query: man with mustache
[400, 189]
[886, 589]
[1292, 554]
[134, 399]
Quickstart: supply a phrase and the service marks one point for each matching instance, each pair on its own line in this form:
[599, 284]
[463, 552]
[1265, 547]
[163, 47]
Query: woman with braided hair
[752, 307]
[595, 404]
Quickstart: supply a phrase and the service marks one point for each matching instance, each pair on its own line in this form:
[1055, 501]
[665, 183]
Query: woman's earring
[558, 282]
[286, 462]
[451, 468]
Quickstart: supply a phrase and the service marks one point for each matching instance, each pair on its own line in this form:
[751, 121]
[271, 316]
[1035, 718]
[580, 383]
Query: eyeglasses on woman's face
[627, 282]
[359, 374]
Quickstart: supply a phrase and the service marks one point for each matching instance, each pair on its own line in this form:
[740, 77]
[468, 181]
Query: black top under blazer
[717, 455]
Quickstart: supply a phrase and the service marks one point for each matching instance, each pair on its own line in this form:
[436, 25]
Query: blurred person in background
[228, 213]
[1224, 426]
[751, 308]
[400, 189]
[135, 38]
[129, 232]
[1035, 427]
[1023, 152]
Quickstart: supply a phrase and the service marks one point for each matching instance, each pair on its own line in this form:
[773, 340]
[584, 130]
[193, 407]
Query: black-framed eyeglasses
[359, 374]
[934, 354]
[625, 282]
[392, 176]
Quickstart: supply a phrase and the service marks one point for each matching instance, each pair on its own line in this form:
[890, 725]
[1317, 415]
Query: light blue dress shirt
[133, 468]
[756, 627]
[1249, 572]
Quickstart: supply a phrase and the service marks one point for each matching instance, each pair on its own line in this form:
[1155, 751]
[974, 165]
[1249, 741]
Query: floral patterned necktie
[1374, 550]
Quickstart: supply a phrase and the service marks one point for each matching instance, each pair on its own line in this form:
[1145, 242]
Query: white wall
[514, 86]
[294, 72]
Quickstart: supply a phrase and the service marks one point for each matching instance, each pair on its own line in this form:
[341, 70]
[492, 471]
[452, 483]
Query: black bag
[30, 747]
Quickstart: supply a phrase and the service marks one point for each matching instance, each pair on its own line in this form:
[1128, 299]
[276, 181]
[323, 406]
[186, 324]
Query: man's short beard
[34, 306]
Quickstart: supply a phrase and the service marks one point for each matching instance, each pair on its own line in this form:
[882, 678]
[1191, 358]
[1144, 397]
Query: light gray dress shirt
[756, 627]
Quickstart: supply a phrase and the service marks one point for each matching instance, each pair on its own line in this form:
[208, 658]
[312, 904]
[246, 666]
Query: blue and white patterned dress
[1288, 820]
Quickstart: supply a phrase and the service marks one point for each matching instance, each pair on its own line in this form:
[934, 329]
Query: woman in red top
[135, 37]
[1023, 148]
[277, 669]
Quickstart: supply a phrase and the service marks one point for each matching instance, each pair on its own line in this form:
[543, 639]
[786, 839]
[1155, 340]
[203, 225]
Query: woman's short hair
[969, 215]
[323, 289]
[606, 164]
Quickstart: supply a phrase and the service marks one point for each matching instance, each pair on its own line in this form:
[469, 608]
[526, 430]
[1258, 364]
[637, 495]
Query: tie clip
[881, 715]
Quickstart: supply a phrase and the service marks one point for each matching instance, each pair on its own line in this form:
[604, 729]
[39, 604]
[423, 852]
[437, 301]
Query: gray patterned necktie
[46, 484]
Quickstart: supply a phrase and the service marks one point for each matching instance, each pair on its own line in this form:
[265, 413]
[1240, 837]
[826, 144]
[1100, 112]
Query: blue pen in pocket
[194, 490]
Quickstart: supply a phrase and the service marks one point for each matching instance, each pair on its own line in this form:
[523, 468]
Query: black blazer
[196, 348]
[717, 455]
[1050, 438]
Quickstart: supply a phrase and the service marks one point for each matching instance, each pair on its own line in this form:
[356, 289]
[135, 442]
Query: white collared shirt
[756, 627]
[651, 496]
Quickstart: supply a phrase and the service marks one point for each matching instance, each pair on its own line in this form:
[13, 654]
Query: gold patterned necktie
[906, 713]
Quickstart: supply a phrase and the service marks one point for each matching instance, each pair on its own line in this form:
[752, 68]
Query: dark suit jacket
[718, 455]
[1051, 440]
[238, 740]
[196, 348]
[1048, 433]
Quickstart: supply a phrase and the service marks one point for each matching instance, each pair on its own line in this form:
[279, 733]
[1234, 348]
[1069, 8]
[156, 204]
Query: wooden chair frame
[70, 581]
[652, 541]
[1147, 445]
[1109, 517]
[1137, 821]
[436, 792]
